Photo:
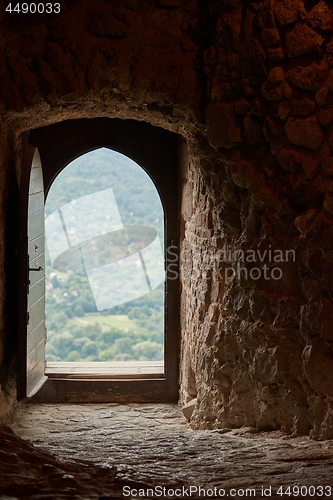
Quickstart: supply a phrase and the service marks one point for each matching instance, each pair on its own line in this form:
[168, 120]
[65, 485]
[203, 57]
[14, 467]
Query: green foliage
[78, 311]
[135, 193]
[73, 356]
[148, 350]
[108, 338]
[91, 343]
[90, 348]
[76, 331]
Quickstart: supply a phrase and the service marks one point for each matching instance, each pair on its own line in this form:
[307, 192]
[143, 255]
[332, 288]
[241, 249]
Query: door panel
[35, 337]
[35, 202]
[36, 292]
[34, 356]
[36, 333]
[36, 249]
[35, 312]
[36, 181]
[35, 276]
[35, 226]
[36, 378]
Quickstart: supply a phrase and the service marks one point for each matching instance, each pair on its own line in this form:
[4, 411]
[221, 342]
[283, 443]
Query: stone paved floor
[153, 446]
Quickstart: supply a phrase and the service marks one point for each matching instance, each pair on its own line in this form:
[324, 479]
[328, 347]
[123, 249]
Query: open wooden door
[36, 331]
[155, 150]
[32, 336]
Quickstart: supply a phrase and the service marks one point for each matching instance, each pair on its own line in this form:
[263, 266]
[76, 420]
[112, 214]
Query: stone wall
[9, 207]
[257, 334]
[249, 86]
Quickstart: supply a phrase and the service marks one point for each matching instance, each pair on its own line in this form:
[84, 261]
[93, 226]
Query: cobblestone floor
[153, 446]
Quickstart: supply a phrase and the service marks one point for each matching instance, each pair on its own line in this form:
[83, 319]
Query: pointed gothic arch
[156, 151]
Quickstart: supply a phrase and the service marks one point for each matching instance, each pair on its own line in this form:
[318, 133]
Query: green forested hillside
[76, 330]
[101, 169]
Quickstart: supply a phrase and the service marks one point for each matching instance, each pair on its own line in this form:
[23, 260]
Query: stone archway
[156, 150]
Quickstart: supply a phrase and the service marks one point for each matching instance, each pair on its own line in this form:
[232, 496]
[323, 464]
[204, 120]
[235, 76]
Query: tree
[147, 350]
[60, 318]
[123, 346]
[107, 338]
[73, 356]
[90, 348]
[62, 342]
[107, 354]
[78, 311]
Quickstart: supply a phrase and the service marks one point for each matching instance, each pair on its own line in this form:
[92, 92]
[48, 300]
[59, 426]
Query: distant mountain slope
[76, 331]
[103, 168]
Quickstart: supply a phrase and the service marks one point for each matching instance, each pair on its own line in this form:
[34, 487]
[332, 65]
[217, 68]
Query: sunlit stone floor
[153, 446]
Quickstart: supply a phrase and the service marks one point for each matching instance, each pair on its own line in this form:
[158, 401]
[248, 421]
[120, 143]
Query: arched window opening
[111, 272]
[104, 227]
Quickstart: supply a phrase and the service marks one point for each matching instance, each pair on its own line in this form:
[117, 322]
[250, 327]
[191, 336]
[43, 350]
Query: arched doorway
[105, 275]
[155, 150]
